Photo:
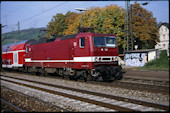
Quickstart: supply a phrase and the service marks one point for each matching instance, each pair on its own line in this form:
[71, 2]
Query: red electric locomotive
[87, 55]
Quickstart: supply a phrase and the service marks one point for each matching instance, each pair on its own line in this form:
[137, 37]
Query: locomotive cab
[97, 53]
[106, 60]
[106, 57]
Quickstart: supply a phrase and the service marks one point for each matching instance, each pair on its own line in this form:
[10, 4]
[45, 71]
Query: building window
[163, 37]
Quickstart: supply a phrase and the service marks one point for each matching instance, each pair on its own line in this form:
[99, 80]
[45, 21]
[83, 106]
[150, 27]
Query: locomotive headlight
[97, 59]
[115, 58]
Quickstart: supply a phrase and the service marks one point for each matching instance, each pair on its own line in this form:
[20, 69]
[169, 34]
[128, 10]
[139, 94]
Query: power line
[42, 12]
[38, 14]
[11, 11]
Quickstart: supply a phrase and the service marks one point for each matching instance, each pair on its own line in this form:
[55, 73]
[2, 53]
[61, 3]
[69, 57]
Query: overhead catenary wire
[38, 14]
[11, 11]
[42, 12]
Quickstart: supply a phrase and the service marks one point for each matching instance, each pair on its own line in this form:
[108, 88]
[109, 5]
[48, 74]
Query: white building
[163, 37]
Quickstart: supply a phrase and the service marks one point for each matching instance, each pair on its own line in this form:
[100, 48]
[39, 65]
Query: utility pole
[0, 44]
[19, 30]
[0, 49]
[128, 39]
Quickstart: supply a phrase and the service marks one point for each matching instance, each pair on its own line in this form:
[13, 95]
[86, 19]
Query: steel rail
[134, 86]
[115, 107]
[17, 109]
[145, 87]
[154, 105]
[35, 99]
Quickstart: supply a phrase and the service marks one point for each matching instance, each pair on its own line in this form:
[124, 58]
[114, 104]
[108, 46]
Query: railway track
[92, 100]
[26, 102]
[146, 80]
[134, 83]
[149, 85]
[12, 106]
[140, 87]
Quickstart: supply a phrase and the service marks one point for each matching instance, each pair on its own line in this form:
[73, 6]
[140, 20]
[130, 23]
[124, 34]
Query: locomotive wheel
[25, 70]
[118, 76]
[90, 78]
[75, 78]
[44, 73]
[63, 76]
[105, 78]
[85, 76]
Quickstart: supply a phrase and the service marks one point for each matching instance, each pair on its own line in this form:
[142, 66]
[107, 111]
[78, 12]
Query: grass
[160, 64]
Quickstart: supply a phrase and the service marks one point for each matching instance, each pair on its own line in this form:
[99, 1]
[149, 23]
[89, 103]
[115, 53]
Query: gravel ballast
[134, 94]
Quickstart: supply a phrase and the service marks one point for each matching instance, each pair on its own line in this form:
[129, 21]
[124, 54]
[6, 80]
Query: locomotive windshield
[108, 41]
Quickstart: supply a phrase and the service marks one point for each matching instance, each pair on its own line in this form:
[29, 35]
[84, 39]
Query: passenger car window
[82, 42]
[7, 48]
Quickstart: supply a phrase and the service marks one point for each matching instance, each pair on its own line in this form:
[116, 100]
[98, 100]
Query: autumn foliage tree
[59, 23]
[109, 19]
[144, 27]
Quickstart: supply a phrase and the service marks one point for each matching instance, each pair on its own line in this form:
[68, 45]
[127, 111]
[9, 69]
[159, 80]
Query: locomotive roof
[44, 40]
[68, 36]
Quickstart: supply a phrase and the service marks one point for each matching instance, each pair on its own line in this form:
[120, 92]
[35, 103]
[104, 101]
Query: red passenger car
[87, 55]
[13, 55]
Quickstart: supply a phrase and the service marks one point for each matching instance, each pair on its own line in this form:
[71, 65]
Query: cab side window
[26, 49]
[82, 42]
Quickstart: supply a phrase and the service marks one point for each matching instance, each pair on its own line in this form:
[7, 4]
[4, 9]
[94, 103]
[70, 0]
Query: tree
[60, 23]
[71, 17]
[144, 27]
[57, 25]
[109, 19]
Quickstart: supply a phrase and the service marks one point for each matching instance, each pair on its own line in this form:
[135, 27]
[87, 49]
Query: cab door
[81, 52]
[82, 47]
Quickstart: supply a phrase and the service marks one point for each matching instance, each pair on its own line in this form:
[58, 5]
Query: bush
[161, 63]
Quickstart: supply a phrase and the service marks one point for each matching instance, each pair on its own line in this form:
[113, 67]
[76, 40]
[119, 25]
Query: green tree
[57, 25]
[60, 23]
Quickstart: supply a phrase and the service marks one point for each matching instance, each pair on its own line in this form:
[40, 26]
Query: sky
[36, 14]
